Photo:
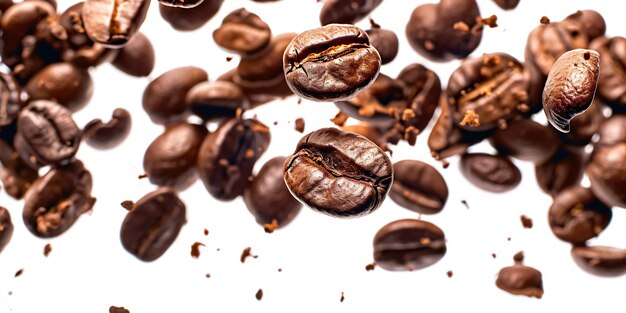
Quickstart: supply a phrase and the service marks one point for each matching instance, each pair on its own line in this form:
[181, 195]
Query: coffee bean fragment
[520, 280]
[206, 232]
[113, 22]
[137, 57]
[115, 309]
[259, 294]
[527, 222]
[370, 267]
[490, 21]
[507, 4]
[246, 253]
[19, 272]
[108, 135]
[600, 260]
[299, 125]
[6, 228]
[418, 187]
[195, 249]
[346, 12]
[449, 274]
[342, 298]
[494, 173]
[243, 32]
[544, 20]
[10, 102]
[47, 249]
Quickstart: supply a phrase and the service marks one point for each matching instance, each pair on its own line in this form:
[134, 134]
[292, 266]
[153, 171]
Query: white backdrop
[320, 257]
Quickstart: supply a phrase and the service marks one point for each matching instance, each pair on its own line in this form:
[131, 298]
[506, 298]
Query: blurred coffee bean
[10, 102]
[136, 58]
[183, 19]
[507, 4]
[346, 11]
[418, 187]
[64, 83]
[564, 169]
[599, 260]
[386, 43]
[211, 100]
[243, 32]
[591, 22]
[112, 22]
[494, 173]
[6, 227]
[585, 125]
[526, 140]
[520, 280]
[612, 82]
[108, 135]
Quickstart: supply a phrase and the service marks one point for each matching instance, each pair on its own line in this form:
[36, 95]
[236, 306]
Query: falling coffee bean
[599, 260]
[243, 32]
[520, 280]
[526, 140]
[188, 19]
[612, 82]
[136, 58]
[386, 43]
[108, 135]
[10, 101]
[419, 187]
[346, 11]
[63, 83]
[562, 170]
[6, 227]
[494, 173]
[213, 100]
[113, 22]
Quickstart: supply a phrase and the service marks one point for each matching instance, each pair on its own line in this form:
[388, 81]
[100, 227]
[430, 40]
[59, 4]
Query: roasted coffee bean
[268, 198]
[339, 173]
[385, 41]
[243, 32]
[432, 34]
[113, 22]
[6, 227]
[613, 131]
[576, 215]
[526, 140]
[56, 200]
[507, 4]
[346, 11]
[267, 65]
[418, 187]
[10, 101]
[260, 91]
[520, 280]
[153, 224]
[164, 97]
[564, 169]
[228, 155]
[183, 19]
[186, 4]
[571, 86]
[17, 22]
[601, 261]
[170, 160]
[5, 4]
[591, 22]
[46, 134]
[612, 83]
[408, 244]
[210, 100]
[492, 85]
[17, 176]
[108, 135]
[136, 58]
[585, 125]
[64, 83]
[369, 132]
[115, 309]
[331, 63]
[494, 173]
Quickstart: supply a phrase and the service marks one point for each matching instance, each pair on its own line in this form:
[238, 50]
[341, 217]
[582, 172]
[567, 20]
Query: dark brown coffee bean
[585, 125]
[493, 86]
[564, 169]
[267, 65]
[136, 58]
[243, 32]
[153, 224]
[331, 63]
[64, 83]
[494, 173]
[268, 198]
[591, 22]
[185, 4]
[115, 309]
[183, 19]
[346, 11]
[408, 244]
[369, 132]
[210, 100]
[57, 199]
[164, 97]
[571, 86]
[17, 176]
[113, 22]
[507, 4]
[576, 215]
[339, 173]
[613, 131]
[385, 42]
[10, 101]
[526, 140]
[228, 155]
[601, 261]
[418, 187]
[607, 173]
[612, 83]
[47, 134]
[108, 135]
[520, 280]
[431, 31]
[170, 160]
[6, 227]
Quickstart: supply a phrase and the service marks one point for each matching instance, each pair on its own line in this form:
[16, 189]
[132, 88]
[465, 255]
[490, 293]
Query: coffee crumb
[544, 20]
[299, 125]
[19, 272]
[47, 249]
[259, 294]
[127, 204]
[370, 267]
[410, 135]
[342, 297]
[10, 293]
[299, 100]
[270, 227]
[489, 21]
[461, 26]
[195, 249]
[115, 309]
[206, 232]
[280, 270]
[464, 202]
[493, 255]
[246, 253]
[527, 222]
[228, 59]
[207, 275]
[508, 239]
[470, 119]
[142, 176]
[519, 257]
[339, 119]
[429, 45]
[373, 24]
[275, 123]
[449, 273]
[587, 55]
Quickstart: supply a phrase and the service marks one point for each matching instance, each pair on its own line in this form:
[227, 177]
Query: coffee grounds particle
[370, 267]
[461, 26]
[259, 294]
[280, 270]
[519, 257]
[508, 239]
[544, 20]
[142, 176]
[207, 275]
[19, 272]
[228, 59]
[246, 253]
[493, 255]
[115, 309]
[195, 249]
[342, 297]
[527, 222]
[464, 202]
[271, 227]
[299, 127]
[127, 204]
[47, 249]
[410, 135]
[275, 123]
[339, 119]
[206, 232]
[299, 100]
[470, 119]
[10, 293]
[489, 21]
[449, 273]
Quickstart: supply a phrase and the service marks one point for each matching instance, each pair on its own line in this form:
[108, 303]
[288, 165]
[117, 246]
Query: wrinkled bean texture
[492, 173]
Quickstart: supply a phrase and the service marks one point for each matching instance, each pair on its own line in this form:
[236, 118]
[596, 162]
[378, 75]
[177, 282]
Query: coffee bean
[431, 32]
[5, 4]
[112, 22]
[210, 100]
[562, 170]
[576, 215]
[408, 244]
[338, 173]
[10, 101]
[153, 224]
[571, 86]
[115, 309]
[170, 160]
[422, 89]
[493, 86]
[521, 280]
[267, 65]
[385, 42]
[268, 197]
[507, 4]
[601, 261]
[526, 140]
[331, 63]
[16, 175]
[6, 228]
[108, 135]
[164, 97]
[299, 125]
[591, 22]
[243, 32]
[47, 134]
[494, 173]
[607, 167]
[188, 19]
[585, 125]
[228, 155]
[346, 12]
[418, 187]
[136, 58]
[369, 132]
[64, 83]
[56, 200]
[612, 82]
[186, 4]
